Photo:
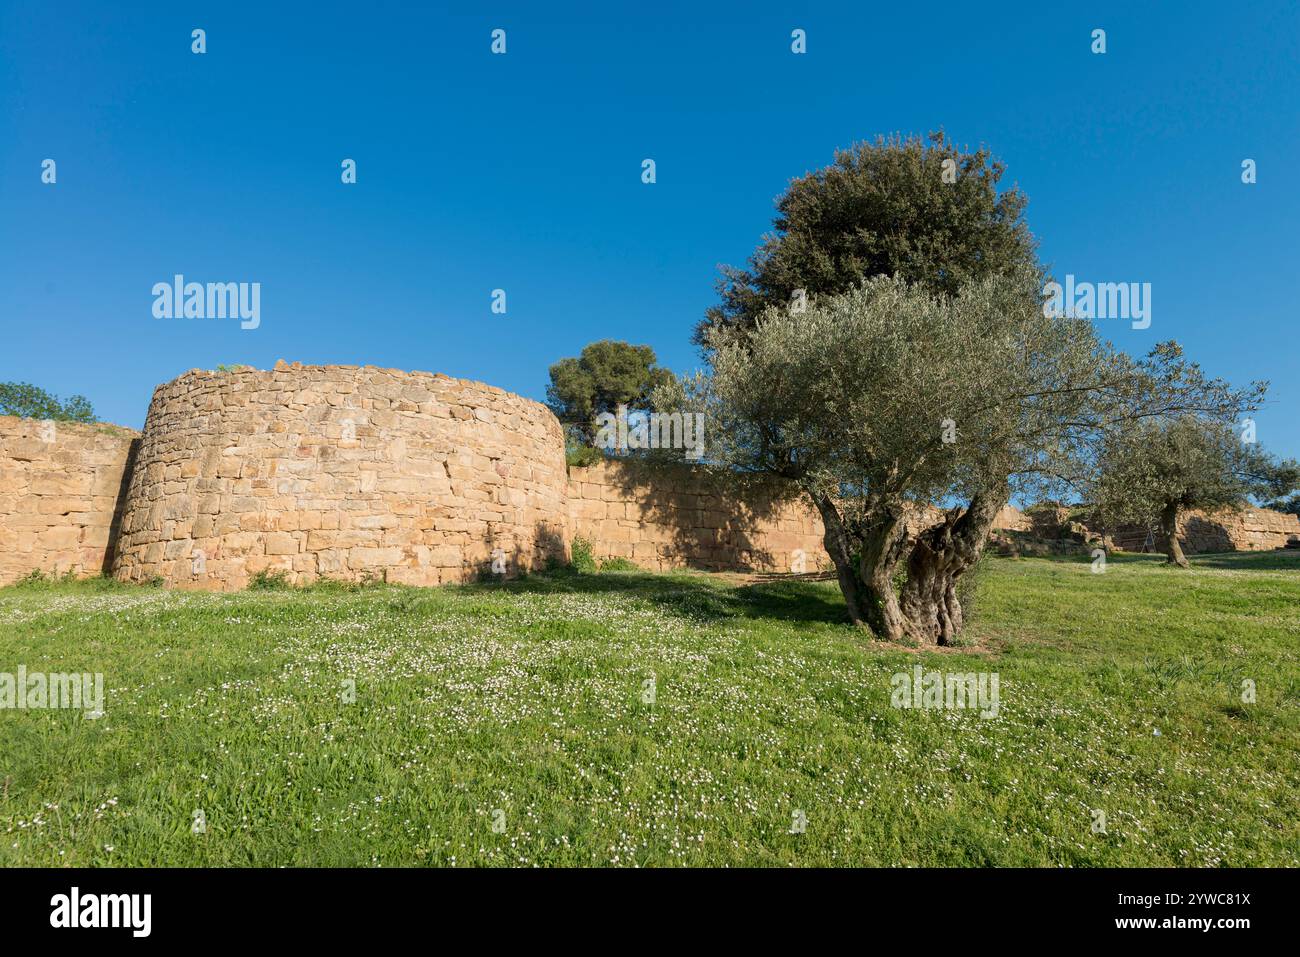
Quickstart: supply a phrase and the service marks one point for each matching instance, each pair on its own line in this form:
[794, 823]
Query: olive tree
[888, 397]
[1289, 505]
[1155, 470]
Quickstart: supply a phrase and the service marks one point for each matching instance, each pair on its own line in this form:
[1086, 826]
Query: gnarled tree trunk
[928, 610]
[867, 584]
[836, 540]
[882, 542]
[1169, 526]
[941, 555]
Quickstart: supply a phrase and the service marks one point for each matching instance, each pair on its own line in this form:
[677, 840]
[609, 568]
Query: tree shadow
[545, 550]
[1277, 560]
[715, 522]
[1209, 536]
[697, 597]
[1081, 558]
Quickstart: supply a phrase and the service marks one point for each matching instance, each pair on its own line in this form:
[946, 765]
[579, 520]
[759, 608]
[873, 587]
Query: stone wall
[350, 473]
[340, 472]
[674, 517]
[60, 490]
[1251, 529]
[665, 518]
[1247, 529]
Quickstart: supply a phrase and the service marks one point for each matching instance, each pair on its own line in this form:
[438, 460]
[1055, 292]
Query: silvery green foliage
[854, 400]
[851, 394]
[1183, 462]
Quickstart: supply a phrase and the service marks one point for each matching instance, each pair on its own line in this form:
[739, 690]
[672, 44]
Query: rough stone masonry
[350, 473]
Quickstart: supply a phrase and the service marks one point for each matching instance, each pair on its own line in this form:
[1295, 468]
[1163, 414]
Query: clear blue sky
[522, 171]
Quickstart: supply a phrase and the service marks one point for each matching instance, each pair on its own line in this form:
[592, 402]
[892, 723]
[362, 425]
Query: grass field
[1119, 693]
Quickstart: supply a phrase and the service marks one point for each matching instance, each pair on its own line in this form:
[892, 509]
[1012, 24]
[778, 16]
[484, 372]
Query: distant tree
[1155, 470]
[29, 402]
[604, 376]
[923, 210]
[1290, 505]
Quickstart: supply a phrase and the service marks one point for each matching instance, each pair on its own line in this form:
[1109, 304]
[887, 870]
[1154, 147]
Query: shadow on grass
[697, 596]
[1280, 559]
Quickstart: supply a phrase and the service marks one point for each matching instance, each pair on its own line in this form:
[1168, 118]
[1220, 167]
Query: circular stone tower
[341, 472]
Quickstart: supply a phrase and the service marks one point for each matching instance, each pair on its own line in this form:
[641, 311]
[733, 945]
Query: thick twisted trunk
[1169, 525]
[840, 549]
[883, 542]
[867, 583]
[866, 554]
[941, 555]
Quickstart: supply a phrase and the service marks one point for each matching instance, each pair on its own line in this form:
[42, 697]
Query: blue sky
[522, 172]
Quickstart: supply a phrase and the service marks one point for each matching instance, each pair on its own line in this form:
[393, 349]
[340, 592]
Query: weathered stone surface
[354, 472]
[671, 519]
[1246, 529]
[59, 487]
[330, 471]
[674, 518]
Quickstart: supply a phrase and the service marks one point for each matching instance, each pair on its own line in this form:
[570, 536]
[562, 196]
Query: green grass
[527, 697]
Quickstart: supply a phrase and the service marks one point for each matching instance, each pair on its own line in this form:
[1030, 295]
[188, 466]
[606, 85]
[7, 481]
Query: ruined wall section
[1247, 529]
[665, 517]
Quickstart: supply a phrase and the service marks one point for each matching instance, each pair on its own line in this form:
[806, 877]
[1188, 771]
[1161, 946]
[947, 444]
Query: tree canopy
[920, 209]
[604, 376]
[889, 396]
[1156, 469]
[30, 402]
[1290, 505]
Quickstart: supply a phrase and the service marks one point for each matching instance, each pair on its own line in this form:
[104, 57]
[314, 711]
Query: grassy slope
[527, 698]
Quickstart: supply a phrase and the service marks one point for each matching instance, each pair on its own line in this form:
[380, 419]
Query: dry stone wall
[1251, 529]
[60, 488]
[340, 472]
